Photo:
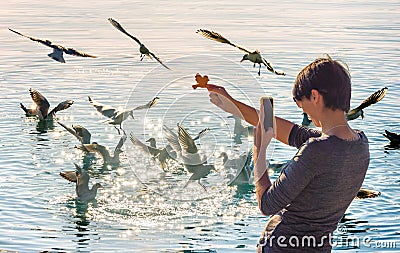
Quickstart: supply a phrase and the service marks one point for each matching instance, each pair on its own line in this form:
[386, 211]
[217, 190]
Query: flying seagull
[143, 49]
[81, 133]
[254, 57]
[184, 145]
[374, 98]
[81, 178]
[42, 106]
[58, 50]
[103, 151]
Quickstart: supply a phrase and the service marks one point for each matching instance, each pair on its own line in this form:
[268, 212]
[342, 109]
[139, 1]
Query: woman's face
[308, 106]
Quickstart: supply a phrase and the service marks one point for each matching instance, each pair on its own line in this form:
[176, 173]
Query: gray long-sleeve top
[315, 188]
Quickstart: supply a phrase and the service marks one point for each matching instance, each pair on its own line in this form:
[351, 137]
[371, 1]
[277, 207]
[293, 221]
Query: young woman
[315, 188]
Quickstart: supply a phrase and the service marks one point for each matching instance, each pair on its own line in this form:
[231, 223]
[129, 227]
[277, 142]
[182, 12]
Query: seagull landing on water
[143, 49]
[81, 133]
[103, 151]
[254, 57]
[242, 166]
[81, 179]
[161, 154]
[374, 98]
[42, 106]
[58, 50]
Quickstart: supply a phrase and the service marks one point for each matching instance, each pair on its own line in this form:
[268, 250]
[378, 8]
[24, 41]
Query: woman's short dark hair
[330, 78]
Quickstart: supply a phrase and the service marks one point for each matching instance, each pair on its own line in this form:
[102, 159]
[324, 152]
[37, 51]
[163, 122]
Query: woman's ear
[315, 96]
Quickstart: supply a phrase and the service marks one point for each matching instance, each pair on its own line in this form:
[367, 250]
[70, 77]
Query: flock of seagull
[58, 50]
[182, 148]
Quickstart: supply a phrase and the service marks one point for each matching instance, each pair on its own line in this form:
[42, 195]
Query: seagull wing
[106, 110]
[120, 143]
[218, 37]
[96, 148]
[40, 102]
[61, 106]
[150, 104]
[158, 59]
[69, 175]
[186, 141]
[270, 68]
[172, 139]
[202, 133]
[44, 42]
[374, 98]
[72, 131]
[74, 52]
[148, 149]
[82, 183]
[119, 27]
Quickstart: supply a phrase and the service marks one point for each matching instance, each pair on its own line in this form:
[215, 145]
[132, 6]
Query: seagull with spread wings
[42, 106]
[254, 57]
[374, 98]
[161, 154]
[144, 51]
[104, 152]
[58, 50]
[117, 116]
[81, 179]
[184, 146]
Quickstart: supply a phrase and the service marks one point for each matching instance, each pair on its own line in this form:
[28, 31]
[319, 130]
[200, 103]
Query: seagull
[394, 138]
[242, 166]
[254, 57]
[306, 120]
[81, 178]
[184, 145]
[103, 151]
[374, 98]
[42, 106]
[160, 153]
[143, 49]
[239, 130]
[366, 193]
[116, 117]
[58, 50]
[150, 104]
[81, 133]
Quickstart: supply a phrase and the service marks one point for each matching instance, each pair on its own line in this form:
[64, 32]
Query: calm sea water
[141, 208]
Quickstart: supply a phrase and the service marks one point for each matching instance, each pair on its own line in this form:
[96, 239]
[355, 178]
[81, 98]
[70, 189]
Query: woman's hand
[221, 98]
[262, 137]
